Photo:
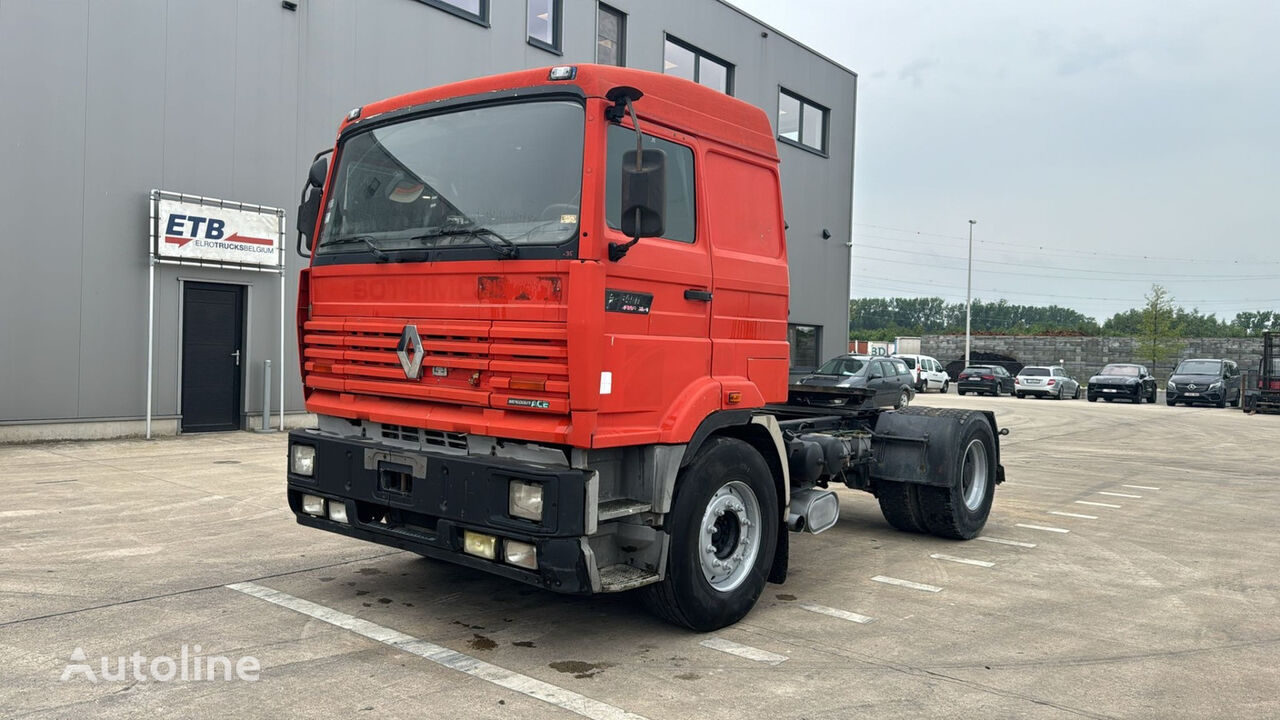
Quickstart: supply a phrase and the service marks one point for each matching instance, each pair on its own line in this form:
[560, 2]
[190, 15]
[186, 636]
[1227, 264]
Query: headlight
[1170, 386]
[524, 500]
[1216, 386]
[302, 459]
[313, 505]
[520, 554]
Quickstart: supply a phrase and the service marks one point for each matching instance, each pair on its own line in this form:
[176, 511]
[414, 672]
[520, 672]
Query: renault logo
[409, 350]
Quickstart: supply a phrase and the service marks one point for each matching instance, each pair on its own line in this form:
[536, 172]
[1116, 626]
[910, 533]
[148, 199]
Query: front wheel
[960, 392]
[724, 525]
[1076, 395]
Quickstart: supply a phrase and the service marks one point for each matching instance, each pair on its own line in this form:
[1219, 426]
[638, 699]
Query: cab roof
[668, 100]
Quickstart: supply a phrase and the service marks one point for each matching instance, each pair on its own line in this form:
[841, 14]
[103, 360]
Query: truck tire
[900, 505]
[959, 511]
[724, 525]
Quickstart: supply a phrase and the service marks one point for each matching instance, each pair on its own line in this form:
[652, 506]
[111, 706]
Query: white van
[928, 373]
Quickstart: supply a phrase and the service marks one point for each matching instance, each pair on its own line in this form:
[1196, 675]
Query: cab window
[680, 213]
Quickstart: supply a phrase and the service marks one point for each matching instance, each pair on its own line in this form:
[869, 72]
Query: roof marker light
[563, 72]
[353, 113]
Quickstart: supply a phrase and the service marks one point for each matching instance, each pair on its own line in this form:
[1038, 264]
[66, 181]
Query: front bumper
[422, 501]
[1196, 396]
[1128, 392]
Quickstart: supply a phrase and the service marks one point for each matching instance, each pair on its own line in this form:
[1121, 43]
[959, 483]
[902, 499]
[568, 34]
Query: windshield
[1034, 372]
[502, 175]
[1199, 367]
[1126, 370]
[842, 366]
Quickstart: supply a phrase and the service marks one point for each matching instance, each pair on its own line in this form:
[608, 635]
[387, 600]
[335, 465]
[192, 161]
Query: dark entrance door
[212, 339]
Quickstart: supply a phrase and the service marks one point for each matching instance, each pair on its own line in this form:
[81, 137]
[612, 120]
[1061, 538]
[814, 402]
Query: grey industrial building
[106, 100]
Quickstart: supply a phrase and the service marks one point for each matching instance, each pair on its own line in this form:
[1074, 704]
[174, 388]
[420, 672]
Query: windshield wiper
[500, 244]
[366, 239]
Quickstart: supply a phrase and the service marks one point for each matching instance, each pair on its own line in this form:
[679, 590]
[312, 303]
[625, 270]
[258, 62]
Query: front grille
[435, 438]
[465, 362]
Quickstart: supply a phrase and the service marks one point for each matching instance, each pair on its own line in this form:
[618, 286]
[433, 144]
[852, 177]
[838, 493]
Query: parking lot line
[962, 561]
[837, 613]
[534, 688]
[1116, 494]
[1042, 527]
[1074, 515]
[906, 584]
[1141, 487]
[1002, 541]
[1097, 504]
[743, 651]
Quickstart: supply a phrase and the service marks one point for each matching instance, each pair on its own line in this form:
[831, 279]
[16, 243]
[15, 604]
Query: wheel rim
[904, 399]
[974, 475]
[729, 537]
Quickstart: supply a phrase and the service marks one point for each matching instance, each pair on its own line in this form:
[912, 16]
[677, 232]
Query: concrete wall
[1083, 356]
[108, 99]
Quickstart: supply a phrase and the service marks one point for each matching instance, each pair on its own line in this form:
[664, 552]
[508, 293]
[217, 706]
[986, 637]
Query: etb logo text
[191, 225]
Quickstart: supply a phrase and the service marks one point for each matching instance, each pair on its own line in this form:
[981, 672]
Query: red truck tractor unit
[544, 333]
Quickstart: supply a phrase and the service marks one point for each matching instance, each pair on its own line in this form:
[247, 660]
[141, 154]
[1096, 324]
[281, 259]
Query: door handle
[692, 294]
[236, 355]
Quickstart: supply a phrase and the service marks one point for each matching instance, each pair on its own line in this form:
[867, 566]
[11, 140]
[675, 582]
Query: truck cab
[536, 302]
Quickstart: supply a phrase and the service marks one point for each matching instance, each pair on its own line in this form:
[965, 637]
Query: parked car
[890, 378]
[1046, 381]
[1122, 381]
[927, 371]
[989, 379]
[1204, 381]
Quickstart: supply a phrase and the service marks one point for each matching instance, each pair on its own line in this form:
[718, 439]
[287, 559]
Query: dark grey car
[890, 378]
[1204, 381]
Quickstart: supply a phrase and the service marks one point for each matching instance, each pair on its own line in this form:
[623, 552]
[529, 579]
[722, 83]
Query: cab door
[657, 309]
[743, 212]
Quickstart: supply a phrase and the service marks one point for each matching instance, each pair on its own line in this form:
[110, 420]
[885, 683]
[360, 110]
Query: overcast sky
[1101, 146]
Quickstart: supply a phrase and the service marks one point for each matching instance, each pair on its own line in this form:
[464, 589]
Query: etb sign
[214, 231]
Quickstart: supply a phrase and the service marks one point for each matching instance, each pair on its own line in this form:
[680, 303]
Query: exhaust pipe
[813, 511]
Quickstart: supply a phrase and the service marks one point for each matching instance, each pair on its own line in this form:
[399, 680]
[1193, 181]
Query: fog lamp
[520, 554]
[479, 544]
[524, 500]
[302, 459]
[313, 504]
[338, 512]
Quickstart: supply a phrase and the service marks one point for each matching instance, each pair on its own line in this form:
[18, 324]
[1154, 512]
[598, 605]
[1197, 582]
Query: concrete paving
[1156, 603]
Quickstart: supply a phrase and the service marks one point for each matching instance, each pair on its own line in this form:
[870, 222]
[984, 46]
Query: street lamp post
[968, 295]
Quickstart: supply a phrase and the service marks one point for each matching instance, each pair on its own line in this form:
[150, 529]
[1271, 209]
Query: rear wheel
[904, 399]
[900, 505]
[960, 392]
[1022, 396]
[946, 384]
[1059, 395]
[959, 511]
[1152, 397]
[724, 525]
[1076, 395]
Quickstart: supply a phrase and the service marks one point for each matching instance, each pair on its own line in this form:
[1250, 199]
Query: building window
[686, 61]
[476, 11]
[806, 346]
[544, 25]
[680, 212]
[611, 36]
[802, 122]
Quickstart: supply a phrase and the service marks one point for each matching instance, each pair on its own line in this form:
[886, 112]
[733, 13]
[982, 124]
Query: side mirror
[318, 173]
[644, 193]
[309, 207]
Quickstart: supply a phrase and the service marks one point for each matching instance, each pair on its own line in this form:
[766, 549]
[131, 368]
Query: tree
[1157, 327]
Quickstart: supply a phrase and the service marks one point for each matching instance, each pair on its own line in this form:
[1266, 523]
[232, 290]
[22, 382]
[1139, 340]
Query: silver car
[1045, 381]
